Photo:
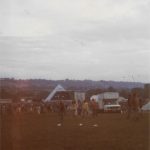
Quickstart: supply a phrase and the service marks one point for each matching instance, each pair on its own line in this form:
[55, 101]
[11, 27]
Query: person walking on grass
[94, 108]
[61, 112]
[74, 108]
[85, 108]
[79, 108]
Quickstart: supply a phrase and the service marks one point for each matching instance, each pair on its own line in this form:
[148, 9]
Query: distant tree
[140, 91]
[124, 93]
[111, 89]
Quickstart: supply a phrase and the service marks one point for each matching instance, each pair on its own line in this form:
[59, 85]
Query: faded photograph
[74, 75]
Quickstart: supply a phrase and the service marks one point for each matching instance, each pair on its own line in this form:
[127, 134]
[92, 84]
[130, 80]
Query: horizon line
[15, 78]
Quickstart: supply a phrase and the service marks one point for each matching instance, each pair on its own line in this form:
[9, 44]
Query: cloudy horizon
[82, 39]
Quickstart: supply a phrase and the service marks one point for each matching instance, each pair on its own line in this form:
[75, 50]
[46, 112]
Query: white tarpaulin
[146, 107]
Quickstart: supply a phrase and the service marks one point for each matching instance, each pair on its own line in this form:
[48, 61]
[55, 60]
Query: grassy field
[40, 132]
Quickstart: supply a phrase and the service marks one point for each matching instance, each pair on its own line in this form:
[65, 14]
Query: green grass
[115, 132]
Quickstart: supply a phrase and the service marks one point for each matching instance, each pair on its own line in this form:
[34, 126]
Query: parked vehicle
[107, 101]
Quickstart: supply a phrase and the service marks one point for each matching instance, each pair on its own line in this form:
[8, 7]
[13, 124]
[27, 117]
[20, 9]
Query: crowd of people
[75, 108]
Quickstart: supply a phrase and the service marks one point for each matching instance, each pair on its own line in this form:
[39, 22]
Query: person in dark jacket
[61, 112]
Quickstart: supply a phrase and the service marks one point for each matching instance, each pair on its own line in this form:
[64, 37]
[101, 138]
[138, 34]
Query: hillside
[40, 88]
[68, 84]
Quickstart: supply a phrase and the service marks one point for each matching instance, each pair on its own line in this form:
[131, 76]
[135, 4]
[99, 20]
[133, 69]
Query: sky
[75, 39]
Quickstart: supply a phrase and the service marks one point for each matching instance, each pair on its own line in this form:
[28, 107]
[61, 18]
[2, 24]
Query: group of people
[134, 106]
[21, 108]
[75, 108]
[78, 108]
[85, 108]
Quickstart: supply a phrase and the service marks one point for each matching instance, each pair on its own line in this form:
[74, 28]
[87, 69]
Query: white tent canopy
[146, 107]
[122, 99]
[109, 95]
[58, 88]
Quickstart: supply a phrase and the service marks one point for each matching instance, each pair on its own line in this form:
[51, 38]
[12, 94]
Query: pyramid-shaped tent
[50, 96]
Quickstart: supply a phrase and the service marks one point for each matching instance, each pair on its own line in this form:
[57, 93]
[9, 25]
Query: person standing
[74, 108]
[94, 107]
[85, 109]
[79, 108]
[61, 112]
[129, 107]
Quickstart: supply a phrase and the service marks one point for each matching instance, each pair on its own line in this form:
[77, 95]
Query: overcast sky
[75, 39]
